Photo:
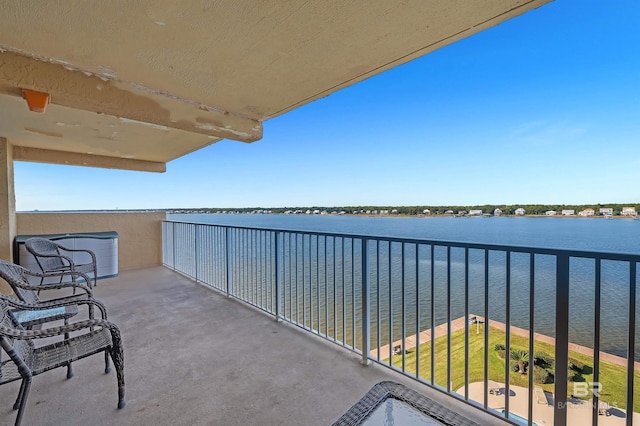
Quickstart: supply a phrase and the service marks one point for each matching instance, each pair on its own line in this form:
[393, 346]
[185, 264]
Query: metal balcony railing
[434, 310]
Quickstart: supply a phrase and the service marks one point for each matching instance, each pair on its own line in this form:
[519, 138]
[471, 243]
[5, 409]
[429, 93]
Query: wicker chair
[52, 261]
[17, 277]
[91, 337]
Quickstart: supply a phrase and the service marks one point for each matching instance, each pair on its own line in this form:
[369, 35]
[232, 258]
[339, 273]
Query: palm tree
[522, 357]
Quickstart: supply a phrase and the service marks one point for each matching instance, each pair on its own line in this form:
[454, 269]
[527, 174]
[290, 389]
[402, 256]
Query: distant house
[449, 212]
[606, 211]
[462, 212]
[520, 211]
[628, 211]
[475, 212]
[426, 211]
[587, 212]
[394, 211]
[550, 213]
[568, 212]
[497, 212]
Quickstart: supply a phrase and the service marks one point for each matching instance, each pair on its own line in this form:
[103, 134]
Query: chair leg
[26, 384]
[73, 280]
[16, 405]
[118, 363]
[107, 366]
[69, 368]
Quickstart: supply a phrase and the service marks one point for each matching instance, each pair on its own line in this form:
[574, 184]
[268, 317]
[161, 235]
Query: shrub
[574, 376]
[499, 347]
[541, 376]
[576, 365]
[542, 359]
[501, 353]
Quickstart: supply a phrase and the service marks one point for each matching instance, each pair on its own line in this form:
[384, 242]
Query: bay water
[590, 234]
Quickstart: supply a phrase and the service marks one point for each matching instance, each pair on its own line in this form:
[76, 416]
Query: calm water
[594, 234]
[616, 235]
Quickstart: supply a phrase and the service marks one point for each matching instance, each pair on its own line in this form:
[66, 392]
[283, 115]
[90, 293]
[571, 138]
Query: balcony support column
[8, 222]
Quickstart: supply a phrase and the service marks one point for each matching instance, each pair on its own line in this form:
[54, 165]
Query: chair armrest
[56, 286]
[91, 253]
[61, 256]
[55, 303]
[57, 331]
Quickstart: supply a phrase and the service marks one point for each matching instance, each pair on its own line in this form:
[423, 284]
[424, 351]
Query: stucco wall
[140, 234]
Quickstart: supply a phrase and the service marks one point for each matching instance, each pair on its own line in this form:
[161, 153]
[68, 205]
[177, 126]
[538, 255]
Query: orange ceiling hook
[37, 101]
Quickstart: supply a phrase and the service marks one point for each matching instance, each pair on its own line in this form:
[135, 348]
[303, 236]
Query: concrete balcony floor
[194, 357]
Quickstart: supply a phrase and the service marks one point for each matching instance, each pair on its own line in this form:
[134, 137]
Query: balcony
[194, 355]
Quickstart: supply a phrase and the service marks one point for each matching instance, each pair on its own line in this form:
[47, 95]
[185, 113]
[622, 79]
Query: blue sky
[544, 108]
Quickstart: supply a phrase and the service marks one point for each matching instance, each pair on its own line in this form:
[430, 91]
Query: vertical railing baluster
[277, 271]
[507, 375]
[378, 297]
[596, 341]
[562, 339]
[417, 258]
[196, 251]
[326, 290]
[486, 329]
[632, 341]
[318, 281]
[353, 293]
[296, 280]
[304, 298]
[366, 337]
[449, 319]
[404, 319]
[531, 334]
[433, 317]
[466, 323]
[344, 298]
[390, 305]
[290, 280]
[335, 295]
[227, 254]
[174, 246]
[311, 305]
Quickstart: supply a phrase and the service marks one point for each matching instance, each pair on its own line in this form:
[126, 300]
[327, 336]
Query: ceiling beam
[38, 155]
[78, 89]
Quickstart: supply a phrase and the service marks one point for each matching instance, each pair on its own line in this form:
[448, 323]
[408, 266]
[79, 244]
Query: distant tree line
[531, 209]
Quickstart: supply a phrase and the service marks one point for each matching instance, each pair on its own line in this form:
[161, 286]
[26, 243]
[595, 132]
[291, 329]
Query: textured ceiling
[153, 80]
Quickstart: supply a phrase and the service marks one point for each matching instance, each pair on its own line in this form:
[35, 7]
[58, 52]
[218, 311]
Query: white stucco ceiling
[199, 71]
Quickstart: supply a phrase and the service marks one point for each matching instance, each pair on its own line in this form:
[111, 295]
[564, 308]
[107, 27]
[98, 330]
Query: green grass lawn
[612, 376]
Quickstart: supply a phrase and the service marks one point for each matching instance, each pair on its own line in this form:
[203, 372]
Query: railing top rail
[624, 257]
